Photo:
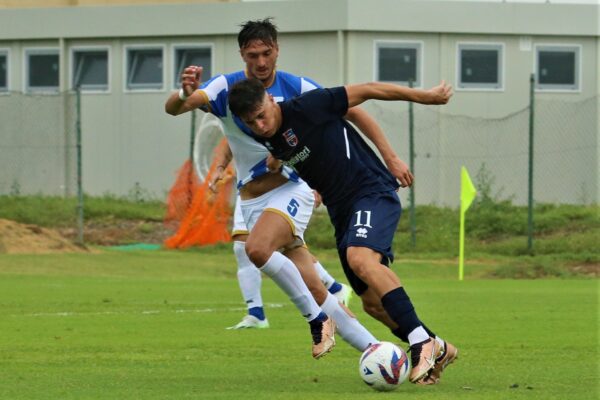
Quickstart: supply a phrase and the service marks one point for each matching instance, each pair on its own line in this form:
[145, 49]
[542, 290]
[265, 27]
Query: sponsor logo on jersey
[361, 232]
[298, 157]
[290, 137]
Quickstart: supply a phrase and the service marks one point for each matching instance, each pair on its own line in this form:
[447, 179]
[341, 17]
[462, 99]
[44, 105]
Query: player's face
[260, 59]
[263, 120]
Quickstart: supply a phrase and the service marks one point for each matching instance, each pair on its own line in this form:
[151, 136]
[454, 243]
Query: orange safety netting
[203, 215]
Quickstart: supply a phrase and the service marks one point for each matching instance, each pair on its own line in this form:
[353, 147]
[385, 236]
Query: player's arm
[371, 129]
[188, 97]
[222, 156]
[362, 92]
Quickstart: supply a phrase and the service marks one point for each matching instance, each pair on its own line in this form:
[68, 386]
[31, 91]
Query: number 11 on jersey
[359, 219]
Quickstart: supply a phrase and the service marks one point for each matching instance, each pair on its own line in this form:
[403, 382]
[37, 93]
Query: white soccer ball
[384, 366]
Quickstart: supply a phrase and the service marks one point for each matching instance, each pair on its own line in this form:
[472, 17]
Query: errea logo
[361, 232]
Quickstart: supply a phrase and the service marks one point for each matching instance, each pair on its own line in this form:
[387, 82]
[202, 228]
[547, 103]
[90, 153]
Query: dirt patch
[591, 270]
[120, 232]
[16, 238]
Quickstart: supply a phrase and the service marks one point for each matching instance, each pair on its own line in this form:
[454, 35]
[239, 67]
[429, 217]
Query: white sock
[248, 275]
[327, 279]
[417, 335]
[285, 274]
[348, 327]
[440, 341]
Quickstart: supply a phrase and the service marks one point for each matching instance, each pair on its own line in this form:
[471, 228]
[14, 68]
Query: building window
[3, 71]
[184, 56]
[398, 62]
[42, 70]
[145, 68]
[558, 67]
[90, 69]
[480, 66]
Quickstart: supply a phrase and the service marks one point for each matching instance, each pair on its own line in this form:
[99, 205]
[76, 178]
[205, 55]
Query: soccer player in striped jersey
[311, 135]
[275, 208]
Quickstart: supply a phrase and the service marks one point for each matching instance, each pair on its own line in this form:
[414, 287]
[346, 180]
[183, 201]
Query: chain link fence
[565, 160]
[38, 138]
[40, 148]
[39, 154]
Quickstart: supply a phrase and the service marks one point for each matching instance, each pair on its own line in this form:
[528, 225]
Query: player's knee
[258, 253]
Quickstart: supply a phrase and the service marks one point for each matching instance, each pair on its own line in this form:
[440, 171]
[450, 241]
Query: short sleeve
[216, 90]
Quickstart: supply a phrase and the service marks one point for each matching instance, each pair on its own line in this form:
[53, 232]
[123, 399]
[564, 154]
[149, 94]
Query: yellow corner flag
[467, 194]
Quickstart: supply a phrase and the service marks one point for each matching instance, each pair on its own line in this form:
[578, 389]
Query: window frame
[401, 44]
[6, 52]
[27, 52]
[191, 46]
[131, 47]
[72, 67]
[560, 88]
[481, 87]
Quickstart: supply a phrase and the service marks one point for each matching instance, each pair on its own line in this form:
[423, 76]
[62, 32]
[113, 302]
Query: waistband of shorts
[270, 193]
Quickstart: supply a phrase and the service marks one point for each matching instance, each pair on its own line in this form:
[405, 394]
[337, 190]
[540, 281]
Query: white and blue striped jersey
[249, 155]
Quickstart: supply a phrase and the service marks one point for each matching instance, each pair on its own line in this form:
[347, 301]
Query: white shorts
[239, 225]
[294, 201]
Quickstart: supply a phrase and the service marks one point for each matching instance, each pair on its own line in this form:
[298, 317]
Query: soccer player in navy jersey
[310, 134]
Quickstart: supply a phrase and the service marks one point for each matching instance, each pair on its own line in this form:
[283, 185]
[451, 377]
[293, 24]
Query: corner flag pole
[467, 194]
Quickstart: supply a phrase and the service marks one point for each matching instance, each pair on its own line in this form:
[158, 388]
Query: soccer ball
[383, 366]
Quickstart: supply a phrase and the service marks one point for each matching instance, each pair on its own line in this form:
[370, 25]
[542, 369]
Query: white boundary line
[145, 312]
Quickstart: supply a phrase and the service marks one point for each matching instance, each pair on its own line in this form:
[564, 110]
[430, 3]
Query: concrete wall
[128, 138]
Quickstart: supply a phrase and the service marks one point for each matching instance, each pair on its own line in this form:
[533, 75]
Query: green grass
[60, 212]
[567, 233]
[150, 325]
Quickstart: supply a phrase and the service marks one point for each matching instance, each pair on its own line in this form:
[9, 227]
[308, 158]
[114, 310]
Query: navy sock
[399, 307]
[399, 333]
[257, 312]
[336, 287]
[320, 318]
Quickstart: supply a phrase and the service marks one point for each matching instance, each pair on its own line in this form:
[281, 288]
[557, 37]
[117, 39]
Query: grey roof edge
[302, 16]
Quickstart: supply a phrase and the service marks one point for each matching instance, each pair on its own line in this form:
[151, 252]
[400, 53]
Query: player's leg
[448, 352]
[368, 240]
[349, 328]
[294, 201]
[249, 277]
[340, 290]
[270, 231]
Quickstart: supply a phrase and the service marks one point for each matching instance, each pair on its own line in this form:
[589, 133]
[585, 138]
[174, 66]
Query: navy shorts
[371, 222]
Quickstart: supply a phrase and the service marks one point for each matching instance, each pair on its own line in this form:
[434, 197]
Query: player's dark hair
[246, 96]
[263, 30]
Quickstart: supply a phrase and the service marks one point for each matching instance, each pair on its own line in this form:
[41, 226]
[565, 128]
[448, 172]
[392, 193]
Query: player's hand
[273, 164]
[400, 170]
[215, 178]
[318, 199]
[440, 94]
[190, 79]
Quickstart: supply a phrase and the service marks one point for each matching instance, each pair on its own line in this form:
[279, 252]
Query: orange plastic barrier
[202, 214]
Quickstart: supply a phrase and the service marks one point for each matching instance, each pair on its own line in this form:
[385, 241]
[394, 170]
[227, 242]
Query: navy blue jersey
[326, 150]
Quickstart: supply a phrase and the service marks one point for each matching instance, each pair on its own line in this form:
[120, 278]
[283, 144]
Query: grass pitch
[150, 325]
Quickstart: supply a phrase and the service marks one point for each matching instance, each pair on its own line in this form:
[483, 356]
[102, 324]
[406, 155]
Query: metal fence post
[530, 178]
[79, 170]
[411, 147]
